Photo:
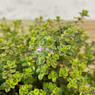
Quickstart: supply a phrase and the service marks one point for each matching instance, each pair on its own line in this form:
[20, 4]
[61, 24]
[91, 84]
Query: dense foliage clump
[49, 58]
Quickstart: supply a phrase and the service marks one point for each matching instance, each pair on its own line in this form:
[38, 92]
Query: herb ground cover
[50, 58]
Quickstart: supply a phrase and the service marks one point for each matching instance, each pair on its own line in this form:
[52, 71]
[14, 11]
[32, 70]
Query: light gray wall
[29, 9]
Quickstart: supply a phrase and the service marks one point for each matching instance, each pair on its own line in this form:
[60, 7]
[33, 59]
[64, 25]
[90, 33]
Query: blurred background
[30, 9]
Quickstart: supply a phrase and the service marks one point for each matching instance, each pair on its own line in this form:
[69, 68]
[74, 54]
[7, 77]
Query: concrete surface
[29, 9]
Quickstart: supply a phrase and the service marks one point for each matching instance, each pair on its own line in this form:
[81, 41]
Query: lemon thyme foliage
[50, 58]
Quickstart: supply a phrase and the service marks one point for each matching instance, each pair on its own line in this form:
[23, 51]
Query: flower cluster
[40, 50]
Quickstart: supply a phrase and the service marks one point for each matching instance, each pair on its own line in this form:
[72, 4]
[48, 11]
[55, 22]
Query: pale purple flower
[40, 49]
[47, 49]
[51, 51]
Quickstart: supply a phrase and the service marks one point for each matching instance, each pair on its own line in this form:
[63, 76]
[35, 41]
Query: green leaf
[53, 75]
[63, 72]
[40, 76]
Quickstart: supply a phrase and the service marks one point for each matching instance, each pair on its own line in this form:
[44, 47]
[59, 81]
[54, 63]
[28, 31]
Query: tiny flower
[47, 49]
[40, 49]
[51, 51]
